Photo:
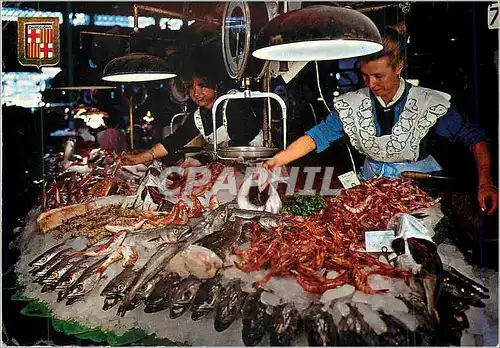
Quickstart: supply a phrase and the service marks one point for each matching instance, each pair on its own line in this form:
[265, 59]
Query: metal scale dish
[247, 153]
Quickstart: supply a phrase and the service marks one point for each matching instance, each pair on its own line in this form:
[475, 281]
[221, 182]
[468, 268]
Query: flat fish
[231, 301]
[206, 299]
[184, 296]
[255, 319]
[286, 325]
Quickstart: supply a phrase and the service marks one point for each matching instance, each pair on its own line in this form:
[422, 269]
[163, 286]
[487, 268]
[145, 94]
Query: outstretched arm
[299, 148]
[487, 193]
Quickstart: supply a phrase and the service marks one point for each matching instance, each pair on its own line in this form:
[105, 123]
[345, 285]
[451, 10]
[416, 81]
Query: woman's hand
[487, 195]
[136, 158]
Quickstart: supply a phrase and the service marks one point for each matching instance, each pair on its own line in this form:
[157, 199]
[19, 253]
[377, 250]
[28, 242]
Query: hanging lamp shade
[318, 32]
[137, 67]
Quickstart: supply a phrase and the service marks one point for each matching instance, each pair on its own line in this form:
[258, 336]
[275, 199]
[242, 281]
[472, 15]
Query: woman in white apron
[391, 121]
[240, 125]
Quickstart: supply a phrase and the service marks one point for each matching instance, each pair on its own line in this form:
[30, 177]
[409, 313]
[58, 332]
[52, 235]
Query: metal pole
[131, 122]
[269, 110]
[173, 14]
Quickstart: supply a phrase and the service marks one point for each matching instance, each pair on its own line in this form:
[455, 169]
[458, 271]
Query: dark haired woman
[243, 123]
[390, 121]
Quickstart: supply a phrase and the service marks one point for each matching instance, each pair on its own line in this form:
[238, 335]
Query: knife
[419, 175]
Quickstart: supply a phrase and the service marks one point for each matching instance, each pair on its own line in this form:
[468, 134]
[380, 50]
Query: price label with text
[375, 240]
[349, 180]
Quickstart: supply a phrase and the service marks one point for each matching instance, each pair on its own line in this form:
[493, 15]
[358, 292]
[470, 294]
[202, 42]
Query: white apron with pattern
[222, 134]
[422, 110]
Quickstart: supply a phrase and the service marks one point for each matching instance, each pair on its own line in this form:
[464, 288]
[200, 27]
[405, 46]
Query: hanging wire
[328, 108]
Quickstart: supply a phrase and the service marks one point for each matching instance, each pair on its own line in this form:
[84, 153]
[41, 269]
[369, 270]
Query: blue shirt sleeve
[327, 131]
[456, 128]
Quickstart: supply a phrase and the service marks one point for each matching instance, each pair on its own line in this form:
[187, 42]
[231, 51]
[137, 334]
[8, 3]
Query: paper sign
[493, 12]
[349, 180]
[375, 240]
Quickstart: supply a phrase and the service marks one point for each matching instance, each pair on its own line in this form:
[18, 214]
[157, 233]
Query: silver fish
[46, 256]
[184, 296]
[119, 284]
[159, 235]
[50, 280]
[229, 306]
[166, 252]
[42, 271]
[146, 290]
[87, 281]
[206, 299]
[72, 275]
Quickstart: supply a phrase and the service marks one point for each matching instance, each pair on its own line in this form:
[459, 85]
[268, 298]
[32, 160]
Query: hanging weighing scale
[246, 154]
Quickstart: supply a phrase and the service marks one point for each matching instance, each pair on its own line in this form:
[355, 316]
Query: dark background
[451, 49]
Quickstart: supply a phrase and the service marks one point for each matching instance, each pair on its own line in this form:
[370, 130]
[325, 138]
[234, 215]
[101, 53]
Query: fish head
[221, 214]
[181, 232]
[110, 302]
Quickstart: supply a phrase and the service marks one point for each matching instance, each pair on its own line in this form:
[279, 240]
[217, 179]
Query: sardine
[319, 325]
[231, 301]
[184, 296]
[286, 325]
[119, 284]
[46, 256]
[206, 299]
[42, 271]
[167, 251]
[255, 319]
[161, 296]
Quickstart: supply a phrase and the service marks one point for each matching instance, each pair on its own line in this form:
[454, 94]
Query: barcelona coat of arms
[38, 41]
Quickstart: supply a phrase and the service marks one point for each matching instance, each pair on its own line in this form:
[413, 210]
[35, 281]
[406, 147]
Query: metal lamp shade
[318, 32]
[137, 67]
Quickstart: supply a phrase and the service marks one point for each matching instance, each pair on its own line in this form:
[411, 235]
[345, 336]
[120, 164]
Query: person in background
[243, 123]
[112, 137]
[393, 123]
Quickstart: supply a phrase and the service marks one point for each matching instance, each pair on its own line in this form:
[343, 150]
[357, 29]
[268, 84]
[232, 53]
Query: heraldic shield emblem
[38, 41]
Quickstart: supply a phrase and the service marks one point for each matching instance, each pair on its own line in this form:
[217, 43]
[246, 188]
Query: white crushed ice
[483, 321]
[340, 292]
[372, 319]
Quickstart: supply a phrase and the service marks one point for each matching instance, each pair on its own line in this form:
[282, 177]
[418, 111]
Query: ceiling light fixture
[137, 67]
[318, 32]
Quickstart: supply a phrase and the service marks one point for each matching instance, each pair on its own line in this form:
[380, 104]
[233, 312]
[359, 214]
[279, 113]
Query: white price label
[493, 16]
[349, 180]
[375, 240]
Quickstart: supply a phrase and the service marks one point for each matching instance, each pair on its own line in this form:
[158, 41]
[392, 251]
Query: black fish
[255, 319]
[110, 302]
[354, 331]
[286, 325]
[184, 296]
[397, 332]
[231, 301]
[319, 325]
[206, 299]
[160, 296]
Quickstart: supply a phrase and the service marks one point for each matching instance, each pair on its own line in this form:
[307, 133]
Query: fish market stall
[306, 275]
